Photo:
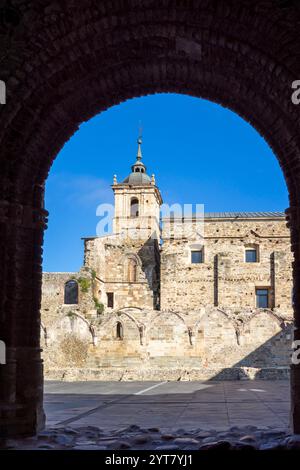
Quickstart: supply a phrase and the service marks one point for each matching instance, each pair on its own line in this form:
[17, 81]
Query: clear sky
[200, 153]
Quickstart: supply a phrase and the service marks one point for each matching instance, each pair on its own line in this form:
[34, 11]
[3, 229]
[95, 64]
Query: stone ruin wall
[108, 257]
[204, 345]
[224, 279]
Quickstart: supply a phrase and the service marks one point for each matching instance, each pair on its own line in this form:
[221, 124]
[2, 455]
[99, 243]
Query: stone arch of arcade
[64, 62]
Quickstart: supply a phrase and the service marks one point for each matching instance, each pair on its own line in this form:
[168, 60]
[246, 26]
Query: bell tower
[137, 203]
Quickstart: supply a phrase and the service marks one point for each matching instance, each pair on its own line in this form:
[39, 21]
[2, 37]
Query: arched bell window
[134, 207]
[71, 292]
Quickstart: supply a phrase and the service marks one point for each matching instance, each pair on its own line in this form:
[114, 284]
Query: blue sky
[200, 153]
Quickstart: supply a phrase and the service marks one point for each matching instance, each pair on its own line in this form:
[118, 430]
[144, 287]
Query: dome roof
[136, 177]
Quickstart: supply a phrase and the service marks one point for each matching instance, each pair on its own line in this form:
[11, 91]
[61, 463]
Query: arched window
[71, 292]
[134, 207]
[132, 270]
[119, 330]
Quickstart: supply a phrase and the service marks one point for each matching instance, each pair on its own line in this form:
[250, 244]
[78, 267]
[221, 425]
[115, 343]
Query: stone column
[293, 222]
[216, 280]
[21, 378]
[273, 279]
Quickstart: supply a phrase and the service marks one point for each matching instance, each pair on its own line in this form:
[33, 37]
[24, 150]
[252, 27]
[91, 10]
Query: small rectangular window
[197, 257]
[110, 299]
[251, 255]
[262, 298]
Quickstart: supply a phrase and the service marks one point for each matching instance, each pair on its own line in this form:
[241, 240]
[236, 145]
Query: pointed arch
[90, 327]
[162, 313]
[132, 267]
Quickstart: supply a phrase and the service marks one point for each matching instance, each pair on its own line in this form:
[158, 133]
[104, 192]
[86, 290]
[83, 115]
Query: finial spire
[140, 141]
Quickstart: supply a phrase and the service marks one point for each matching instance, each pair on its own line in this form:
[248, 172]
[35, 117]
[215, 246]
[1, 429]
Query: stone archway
[62, 63]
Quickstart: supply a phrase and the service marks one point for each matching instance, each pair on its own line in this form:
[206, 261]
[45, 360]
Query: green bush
[98, 306]
[85, 284]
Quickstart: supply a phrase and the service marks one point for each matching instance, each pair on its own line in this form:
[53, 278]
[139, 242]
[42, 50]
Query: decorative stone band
[23, 215]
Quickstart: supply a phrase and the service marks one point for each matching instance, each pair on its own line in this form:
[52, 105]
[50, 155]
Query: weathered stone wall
[66, 327]
[109, 258]
[54, 290]
[144, 226]
[224, 279]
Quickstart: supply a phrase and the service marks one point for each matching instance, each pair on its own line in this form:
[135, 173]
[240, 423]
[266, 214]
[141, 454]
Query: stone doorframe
[62, 63]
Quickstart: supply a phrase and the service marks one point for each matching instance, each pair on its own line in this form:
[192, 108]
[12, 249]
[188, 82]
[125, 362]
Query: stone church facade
[153, 301]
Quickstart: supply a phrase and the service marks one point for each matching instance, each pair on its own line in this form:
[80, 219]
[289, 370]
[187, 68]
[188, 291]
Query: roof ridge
[229, 214]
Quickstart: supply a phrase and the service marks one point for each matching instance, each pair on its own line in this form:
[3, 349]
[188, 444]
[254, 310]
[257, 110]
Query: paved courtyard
[168, 405]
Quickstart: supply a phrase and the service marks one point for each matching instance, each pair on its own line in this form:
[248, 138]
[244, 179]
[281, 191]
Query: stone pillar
[216, 280]
[273, 279]
[21, 378]
[293, 222]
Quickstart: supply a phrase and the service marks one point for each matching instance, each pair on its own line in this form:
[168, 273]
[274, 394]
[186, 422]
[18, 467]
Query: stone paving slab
[168, 405]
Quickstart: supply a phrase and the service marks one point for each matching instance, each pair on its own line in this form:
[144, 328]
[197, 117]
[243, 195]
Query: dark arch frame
[80, 60]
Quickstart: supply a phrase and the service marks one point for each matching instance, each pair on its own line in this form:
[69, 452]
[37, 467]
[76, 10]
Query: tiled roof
[231, 215]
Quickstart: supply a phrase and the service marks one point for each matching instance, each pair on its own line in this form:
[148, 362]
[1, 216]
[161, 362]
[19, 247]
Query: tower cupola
[138, 175]
[137, 203]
